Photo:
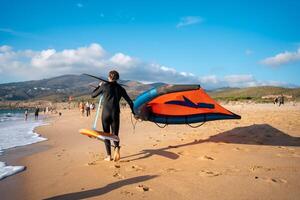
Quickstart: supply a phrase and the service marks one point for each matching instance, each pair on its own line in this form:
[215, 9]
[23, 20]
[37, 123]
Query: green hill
[254, 93]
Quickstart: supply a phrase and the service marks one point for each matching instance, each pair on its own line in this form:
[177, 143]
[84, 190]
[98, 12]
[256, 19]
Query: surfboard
[99, 135]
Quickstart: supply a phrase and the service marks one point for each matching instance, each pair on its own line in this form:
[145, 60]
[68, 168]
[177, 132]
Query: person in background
[275, 100]
[81, 107]
[36, 113]
[281, 100]
[91, 107]
[87, 109]
[26, 114]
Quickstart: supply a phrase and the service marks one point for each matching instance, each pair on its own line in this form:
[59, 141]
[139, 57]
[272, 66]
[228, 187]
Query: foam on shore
[15, 132]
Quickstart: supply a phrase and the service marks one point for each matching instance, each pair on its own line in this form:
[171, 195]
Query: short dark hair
[114, 75]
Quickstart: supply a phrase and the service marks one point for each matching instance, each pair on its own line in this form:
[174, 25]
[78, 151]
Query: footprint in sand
[92, 163]
[118, 175]
[171, 170]
[208, 173]
[288, 155]
[206, 158]
[259, 168]
[117, 166]
[182, 153]
[65, 173]
[272, 180]
[60, 154]
[127, 193]
[143, 188]
[124, 161]
[134, 168]
[282, 147]
[232, 170]
[240, 149]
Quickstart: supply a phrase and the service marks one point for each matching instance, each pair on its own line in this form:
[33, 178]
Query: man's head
[113, 76]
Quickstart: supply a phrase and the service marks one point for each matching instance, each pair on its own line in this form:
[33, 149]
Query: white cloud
[189, 20]
[5, 48]
[211, 79]
[282, 58]
[121, 59]
[28, 64]
[240, 80]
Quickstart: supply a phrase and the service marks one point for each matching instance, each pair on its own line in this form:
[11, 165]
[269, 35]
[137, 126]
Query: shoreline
[11, 156]
[159, 163]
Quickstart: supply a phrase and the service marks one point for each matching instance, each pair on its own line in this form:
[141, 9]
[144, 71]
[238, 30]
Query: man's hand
[135, 116]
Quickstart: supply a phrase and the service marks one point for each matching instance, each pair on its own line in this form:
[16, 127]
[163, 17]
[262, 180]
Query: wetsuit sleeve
[97, 91]
[127, 98]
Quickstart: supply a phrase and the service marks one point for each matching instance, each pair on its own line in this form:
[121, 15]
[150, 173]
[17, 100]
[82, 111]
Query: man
[112, 93]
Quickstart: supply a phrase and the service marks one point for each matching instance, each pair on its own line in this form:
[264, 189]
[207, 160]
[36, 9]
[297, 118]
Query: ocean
[15, 132]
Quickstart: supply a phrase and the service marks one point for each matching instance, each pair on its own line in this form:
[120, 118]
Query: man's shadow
[103, 190]
[257, 134]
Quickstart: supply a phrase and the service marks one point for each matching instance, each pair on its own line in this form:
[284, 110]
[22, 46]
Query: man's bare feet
[108, 158]
[117, 154]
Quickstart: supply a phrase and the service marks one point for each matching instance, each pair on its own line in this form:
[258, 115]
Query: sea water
[15, 132]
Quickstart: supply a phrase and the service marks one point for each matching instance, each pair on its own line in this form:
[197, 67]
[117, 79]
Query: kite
[179, 104]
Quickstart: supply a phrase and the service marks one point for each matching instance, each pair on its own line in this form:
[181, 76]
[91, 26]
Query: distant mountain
[60, 88]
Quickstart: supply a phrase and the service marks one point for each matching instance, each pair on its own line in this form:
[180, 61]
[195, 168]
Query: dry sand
[257, 157]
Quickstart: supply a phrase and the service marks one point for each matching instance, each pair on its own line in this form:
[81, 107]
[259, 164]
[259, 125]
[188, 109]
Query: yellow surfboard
[99, 135]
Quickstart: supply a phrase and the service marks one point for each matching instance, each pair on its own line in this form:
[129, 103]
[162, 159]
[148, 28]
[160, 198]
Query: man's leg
[106, 122]
[115, 130]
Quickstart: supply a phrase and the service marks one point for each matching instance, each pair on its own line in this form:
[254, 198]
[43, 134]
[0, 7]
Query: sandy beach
[257, 157]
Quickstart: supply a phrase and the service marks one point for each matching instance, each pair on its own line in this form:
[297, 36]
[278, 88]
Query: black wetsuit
[112, 93]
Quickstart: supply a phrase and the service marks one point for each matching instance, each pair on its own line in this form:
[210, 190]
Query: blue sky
[232, 43]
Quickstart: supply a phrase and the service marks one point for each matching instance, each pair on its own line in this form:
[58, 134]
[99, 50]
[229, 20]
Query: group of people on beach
[279, 100]
[36, 113]
[86, 108]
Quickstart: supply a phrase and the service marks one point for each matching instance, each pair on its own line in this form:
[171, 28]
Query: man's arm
[127, 98]
[97, 91]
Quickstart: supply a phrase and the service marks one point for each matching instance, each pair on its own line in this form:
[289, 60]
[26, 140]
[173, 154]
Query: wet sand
[257, 157]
